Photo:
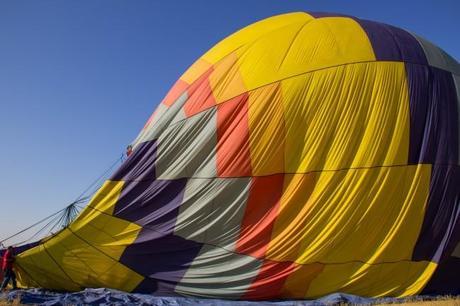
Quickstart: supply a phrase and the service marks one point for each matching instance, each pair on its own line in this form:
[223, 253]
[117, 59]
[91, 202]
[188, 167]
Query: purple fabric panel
[382, 40]
[162, 259]
[410, 49]
[420, 122]
[151, 203]
[440, 231]
[445, 279]
[157, 254]
[434, 116]
[18, 250]
[393, 44]
[147, 286]
[140, 165]
[389, 43]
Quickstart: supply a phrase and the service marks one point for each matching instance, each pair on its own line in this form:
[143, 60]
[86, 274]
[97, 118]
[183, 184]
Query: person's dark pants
[8, 275]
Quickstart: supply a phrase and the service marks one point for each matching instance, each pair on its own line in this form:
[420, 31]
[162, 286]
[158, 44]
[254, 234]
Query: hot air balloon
[305, 154]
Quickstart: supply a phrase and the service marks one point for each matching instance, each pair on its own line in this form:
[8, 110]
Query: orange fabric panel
[226, 80]
[178, 88]
[260, 215]
[233, 156]
[267, 130]
[195, 71]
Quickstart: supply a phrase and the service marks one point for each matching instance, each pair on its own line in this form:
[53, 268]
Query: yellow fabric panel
[296, 285]
[370, 215]
[89, 249]
[355, 115]
[290, 223]
[223, 55]
[109, 234]
[266, 130]
[419, 282]
[103, 201]
[85, 265]
[97, 226]
[400, 279]
[39, 267]
[23, 278]
[251, 33]
[195, 71]
[303, 47]
[226, 81]
[261, 63]
[82, 263]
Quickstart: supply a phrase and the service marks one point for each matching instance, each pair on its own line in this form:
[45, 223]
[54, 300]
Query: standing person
[129, 150]
[7, 267]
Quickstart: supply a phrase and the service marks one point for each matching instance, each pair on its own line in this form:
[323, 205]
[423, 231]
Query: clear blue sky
[78, 79]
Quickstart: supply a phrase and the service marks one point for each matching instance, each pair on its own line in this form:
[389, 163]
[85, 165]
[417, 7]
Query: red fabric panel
[200, 96]
[260, 215]
[233, 156]
[270, 281]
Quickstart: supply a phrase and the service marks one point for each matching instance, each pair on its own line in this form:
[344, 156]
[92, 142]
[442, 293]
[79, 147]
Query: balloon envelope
[305, 154]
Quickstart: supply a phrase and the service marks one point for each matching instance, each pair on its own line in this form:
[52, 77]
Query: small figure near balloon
[7, 268]
[129, 150]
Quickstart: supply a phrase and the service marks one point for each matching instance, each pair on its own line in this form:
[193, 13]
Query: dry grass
[15, 302]
[438, 301]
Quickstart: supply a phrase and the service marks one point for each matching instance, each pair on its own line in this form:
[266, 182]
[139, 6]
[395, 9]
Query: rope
[63, 217]
[38, 232]
[57, 220]
[32, 226]
[101, 177]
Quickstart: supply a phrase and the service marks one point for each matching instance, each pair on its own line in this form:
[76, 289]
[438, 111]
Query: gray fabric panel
[188, 148]
[158, 113]
[179, 116]
[457, 86]
[456, 252]
[164, 116]
[212, 210]
[208, 168]
[229, 205]
[192, 222]
[437, 57]
[217, 272]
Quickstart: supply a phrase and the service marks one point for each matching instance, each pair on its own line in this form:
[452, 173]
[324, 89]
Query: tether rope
[63, 217]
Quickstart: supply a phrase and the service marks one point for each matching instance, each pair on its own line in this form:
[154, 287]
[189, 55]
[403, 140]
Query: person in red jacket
[7, 267]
